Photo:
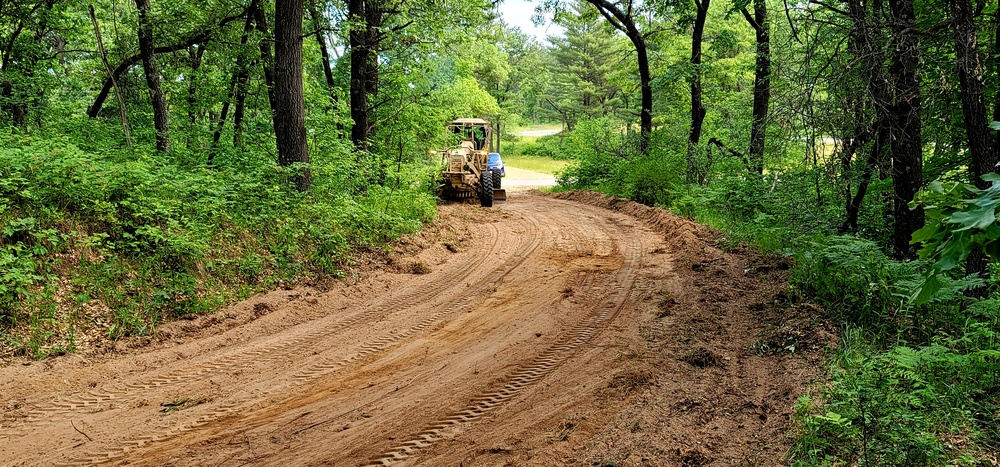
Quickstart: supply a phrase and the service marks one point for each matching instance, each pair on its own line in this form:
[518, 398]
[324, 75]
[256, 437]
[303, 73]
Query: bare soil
[551, 330]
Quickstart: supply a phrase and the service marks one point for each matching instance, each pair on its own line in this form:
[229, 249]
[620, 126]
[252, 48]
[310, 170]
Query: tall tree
[697, 108]
[761, 83]
[624, 21]
[905, 127]
[289, 112]
[195, 55]
[23, 29]
[583, 62]
[980, 140]
[319, 25]
[157, 97]
[201, 36]
[266, 55]
[237, 86]
[893, 94]
[365, 17]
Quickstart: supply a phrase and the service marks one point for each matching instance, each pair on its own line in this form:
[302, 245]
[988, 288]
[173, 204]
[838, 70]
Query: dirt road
[542, 332]
[518, 180]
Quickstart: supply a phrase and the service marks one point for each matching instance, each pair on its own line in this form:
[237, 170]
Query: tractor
[465, 173]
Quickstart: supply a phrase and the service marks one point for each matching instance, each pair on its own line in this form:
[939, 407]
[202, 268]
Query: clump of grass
[418, 267]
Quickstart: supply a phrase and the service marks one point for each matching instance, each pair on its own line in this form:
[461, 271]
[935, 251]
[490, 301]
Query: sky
[518, 13]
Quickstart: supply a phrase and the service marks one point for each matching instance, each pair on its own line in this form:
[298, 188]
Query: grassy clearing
[545, 165]
[540, 127]
[535, 153]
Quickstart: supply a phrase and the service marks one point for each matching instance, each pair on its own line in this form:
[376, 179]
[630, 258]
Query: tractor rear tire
[496, 178]
[486, 189]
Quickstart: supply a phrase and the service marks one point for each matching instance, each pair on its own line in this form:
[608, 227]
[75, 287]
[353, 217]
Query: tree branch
[746, 16]
[788, 16]
[202, 37]
[732, 152]
[829, 7]
[611, 13]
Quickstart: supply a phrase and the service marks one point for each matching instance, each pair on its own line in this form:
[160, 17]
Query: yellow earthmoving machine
[466, 173]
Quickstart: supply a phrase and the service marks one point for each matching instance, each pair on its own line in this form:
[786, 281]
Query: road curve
[498, 339]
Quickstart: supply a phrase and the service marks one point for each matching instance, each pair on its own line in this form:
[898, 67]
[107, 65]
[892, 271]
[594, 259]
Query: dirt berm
[553, 330]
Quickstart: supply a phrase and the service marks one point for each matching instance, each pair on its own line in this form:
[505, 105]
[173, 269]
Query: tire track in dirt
[523, 378]
[324, 367]
[284, 349]
[573, 356]
[589, 239]
[565, 250]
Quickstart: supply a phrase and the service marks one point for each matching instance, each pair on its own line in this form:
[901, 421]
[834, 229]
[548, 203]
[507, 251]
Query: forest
[160, 159]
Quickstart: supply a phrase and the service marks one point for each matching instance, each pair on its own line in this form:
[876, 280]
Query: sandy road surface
[533, 334]
[546, 132]
[519, 180]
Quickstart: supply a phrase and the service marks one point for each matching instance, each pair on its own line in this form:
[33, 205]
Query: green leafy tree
[584, 63]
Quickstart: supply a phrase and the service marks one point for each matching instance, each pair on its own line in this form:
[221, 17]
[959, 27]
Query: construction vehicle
[465, 173]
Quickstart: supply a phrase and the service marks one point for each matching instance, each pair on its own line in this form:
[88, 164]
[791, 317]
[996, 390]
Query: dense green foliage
[150, 239]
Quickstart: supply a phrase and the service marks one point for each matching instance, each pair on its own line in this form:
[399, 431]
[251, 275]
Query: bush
[544, 146]
[927, 405]
[908, 379]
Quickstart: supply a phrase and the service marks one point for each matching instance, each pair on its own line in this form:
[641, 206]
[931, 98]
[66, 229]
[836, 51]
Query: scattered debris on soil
[731, 355]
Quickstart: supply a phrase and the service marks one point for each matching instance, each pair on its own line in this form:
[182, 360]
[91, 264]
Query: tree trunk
[624, 22]
[970, 75]
[266, 59]
[238, 113]
[236, 84]
[7, 86]
[21, 98]
[761, 84]
[331, 85]
[203, 38]
[895, 96]
[194, 60]
[907, 147]
[324, 52]
[853, 207]
[161, 118]
[697, 108]
[996, 66]
[111, 77]
[981, 142]
[195, 54]
[367, 16]
[374, 15]
[358, 39]
[289, 115]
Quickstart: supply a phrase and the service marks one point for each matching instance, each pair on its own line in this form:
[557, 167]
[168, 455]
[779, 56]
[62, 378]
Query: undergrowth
[121, 241]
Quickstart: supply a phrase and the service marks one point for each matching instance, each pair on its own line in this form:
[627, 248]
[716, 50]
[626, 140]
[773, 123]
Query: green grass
[545, 165]
[526, 153]
[539, 127]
